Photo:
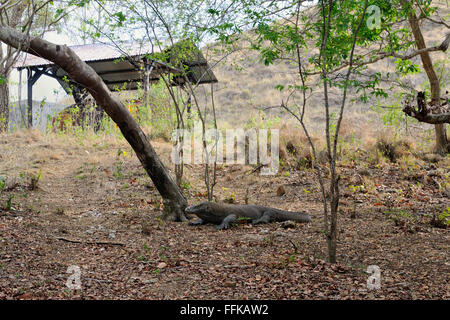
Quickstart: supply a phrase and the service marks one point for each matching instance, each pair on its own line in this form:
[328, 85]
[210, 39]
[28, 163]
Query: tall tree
[31, 17]
[10, 14]
[442, 144]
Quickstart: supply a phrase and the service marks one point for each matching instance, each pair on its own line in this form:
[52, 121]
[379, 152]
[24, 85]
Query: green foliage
[2, 183]
[118, 172]
[79, 3]
[401, 218]
[355, 189]
[275, 39]
[391, 115]
[34, 180]
[262, 121]
[186, 185]
[9, 204]
[160, 113]
[443, 219]
[406, 67]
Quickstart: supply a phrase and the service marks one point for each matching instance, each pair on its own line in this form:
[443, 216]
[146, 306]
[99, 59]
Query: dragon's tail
[294, 216]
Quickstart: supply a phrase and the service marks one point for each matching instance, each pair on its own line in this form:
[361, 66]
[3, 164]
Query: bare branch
[442, 47]
[424, 16]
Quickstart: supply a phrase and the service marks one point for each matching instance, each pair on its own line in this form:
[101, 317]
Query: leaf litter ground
[94, 207]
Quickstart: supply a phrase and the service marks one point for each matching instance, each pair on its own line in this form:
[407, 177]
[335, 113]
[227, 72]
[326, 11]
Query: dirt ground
[87, 202]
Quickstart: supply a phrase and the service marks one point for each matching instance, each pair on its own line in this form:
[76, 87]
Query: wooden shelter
[121, 71]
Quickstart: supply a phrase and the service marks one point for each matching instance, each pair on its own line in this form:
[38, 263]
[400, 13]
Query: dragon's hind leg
[226, 221]
[266, 217]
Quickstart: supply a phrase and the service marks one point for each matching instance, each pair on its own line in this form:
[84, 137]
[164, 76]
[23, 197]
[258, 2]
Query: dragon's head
[203, 207]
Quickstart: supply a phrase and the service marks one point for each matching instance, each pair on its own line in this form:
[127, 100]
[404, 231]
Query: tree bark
[4, 96]
[441, 146]
[4, 106]
[7, 58]
[79, 71]
[429, 117]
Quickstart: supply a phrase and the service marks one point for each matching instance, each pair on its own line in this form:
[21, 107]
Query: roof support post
[30, 98]
[32, 78]
[148, 68]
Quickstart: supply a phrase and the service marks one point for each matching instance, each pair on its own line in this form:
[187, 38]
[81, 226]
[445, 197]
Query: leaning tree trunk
[4, 106]
[79, 71]
[442, 146]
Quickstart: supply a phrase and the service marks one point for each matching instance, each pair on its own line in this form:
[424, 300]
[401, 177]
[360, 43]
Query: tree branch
[429, 118]
[442, 47]
[423, 114]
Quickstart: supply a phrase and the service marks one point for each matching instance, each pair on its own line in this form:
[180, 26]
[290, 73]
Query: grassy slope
[246, 84]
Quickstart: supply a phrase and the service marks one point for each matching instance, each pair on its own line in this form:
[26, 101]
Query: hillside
[246, 84]
[246, 88]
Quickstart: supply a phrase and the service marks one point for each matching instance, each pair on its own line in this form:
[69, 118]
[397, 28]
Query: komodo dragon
[224, 214]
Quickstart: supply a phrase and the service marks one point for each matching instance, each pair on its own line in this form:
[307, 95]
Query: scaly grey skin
[224, 214]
